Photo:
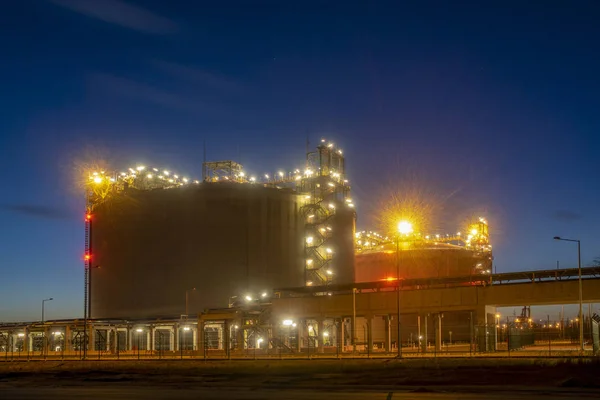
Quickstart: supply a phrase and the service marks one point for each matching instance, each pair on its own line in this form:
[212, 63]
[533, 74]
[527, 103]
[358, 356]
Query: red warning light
[88, 217]
[87, 257]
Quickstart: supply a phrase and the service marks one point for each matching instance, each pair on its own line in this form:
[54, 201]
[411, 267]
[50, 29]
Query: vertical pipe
[549, 341]
[562, 321]
[354, 320]
[438, 333]
[399, 344]
[508, 335]
[425, 333]
[338, 335]
[419, 332]
[471, 333]
[590, 322]
[580, 298]
[89, 305]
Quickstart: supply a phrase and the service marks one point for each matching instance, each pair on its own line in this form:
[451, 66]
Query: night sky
[491, 108]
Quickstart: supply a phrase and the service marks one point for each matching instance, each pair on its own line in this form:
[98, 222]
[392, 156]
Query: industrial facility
[236, 261]
[161, 244]
[420, 255]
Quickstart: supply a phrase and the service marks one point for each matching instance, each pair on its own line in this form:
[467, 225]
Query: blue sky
[493, 109]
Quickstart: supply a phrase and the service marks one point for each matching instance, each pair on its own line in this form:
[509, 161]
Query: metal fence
[335, 338]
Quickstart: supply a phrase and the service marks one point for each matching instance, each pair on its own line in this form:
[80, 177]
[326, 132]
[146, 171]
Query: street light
[186, 329]
[404, 228]
[496, 330]
[580, 286]
[138, 331]
[43, 305]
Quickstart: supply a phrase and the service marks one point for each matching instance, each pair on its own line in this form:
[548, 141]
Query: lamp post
[186, 299]
[138, 331]
[404, 228]
[43, 306]
[496, 330]
[580, 287]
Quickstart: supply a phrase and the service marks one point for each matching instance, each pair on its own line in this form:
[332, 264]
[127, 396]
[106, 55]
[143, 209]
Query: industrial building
[161, 244]
[233, 252]
[236, 265]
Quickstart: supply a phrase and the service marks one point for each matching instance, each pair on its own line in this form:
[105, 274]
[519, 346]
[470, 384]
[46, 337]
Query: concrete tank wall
[343, 225]
[223, 239]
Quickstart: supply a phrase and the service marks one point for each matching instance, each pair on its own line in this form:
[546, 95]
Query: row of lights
[281, 176]
[249, 297]
[297, 174]
[140, 172]
[21, 334]
[406, 228]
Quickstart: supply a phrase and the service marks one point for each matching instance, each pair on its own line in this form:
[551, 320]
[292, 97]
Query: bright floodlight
[263, 295]
[98, 179]
[405, 227]
[248, 298]
[139, 330]
[186, 328]
[473, 232]
[287, 322]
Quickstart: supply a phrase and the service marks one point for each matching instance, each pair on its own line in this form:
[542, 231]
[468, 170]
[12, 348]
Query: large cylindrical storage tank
[222, 239]
[417, 262]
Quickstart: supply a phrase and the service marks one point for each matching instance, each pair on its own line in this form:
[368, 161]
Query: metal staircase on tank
[325, 189]
[318, 233]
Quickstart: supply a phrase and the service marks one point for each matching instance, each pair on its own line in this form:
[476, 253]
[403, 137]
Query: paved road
[134, 393]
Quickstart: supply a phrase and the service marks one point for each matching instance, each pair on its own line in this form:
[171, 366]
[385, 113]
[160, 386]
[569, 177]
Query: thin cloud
[199, 76]
[32, 210]
[566, 215]
[120, 13]
[140, 91]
